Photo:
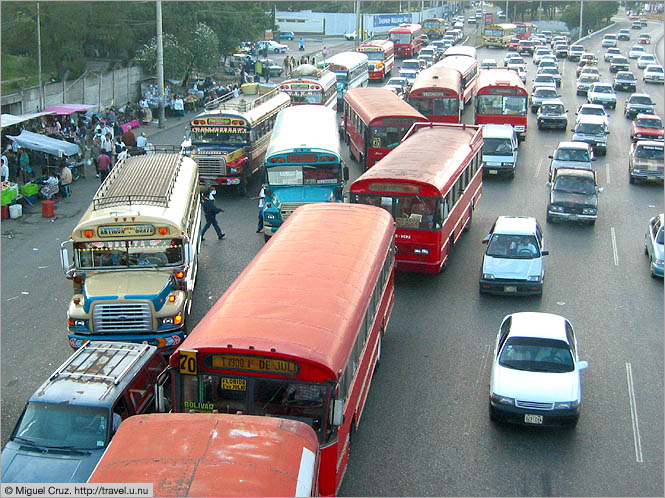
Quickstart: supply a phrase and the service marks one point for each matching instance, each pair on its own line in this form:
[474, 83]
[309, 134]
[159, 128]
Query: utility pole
[39, 60]
[581, 14]
[408, 6]
[359, 34]
[160, 64]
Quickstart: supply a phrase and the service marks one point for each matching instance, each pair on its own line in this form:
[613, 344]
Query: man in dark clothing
[210, 211]
[128, 138]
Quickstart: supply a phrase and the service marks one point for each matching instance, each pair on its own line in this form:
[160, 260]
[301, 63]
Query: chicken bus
[310, 85]
[467, 67]
[437, 94]
[501, 98]
[408, 39]
[381, 58]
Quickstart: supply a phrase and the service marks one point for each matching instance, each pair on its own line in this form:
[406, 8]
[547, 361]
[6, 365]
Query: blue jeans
[215, 225]
[260, 225]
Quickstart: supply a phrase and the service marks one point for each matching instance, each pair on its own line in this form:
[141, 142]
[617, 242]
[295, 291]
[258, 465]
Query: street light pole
[581, 14]
[39, 60]
[160, 64]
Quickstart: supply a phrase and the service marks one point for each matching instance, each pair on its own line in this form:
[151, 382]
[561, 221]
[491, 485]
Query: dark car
[638, 103]
[619, 63]
[625, 80]
[573, 195]
[552, 114]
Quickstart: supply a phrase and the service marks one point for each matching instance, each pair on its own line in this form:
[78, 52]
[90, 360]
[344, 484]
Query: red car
[513, 44]
[647, 127]
[644, 39]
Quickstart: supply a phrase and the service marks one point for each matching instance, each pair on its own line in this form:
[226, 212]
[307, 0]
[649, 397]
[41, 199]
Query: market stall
[47, 145]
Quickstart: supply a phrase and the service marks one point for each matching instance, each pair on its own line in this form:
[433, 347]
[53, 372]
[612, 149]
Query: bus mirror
[345, 172]
[64, 256]
[338, 412]
[189, 253]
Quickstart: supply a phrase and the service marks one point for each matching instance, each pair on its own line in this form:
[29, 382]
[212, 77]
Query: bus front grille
[211, 166]
[121, 318]
[286, 209]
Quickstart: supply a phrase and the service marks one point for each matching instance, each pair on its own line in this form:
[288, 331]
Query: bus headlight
[171, 320]
[81, 323]
[236, 170]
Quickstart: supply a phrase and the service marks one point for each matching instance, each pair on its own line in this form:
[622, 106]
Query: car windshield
[590, 128]
[497, 147]
[593, 111]
[640, 99]
[513, 246]
[575, 185]
[659, 237]
[546, 93]
[649, 152]
[619, 59]
[572, 155]
[649, 123]
[536, 355]
[64, 425]
[412, 64]
[602, 89]
[588, 78]
[626, 76]
[551, 109]
[655, 69]
[549, 70]
[543, 78]
[647, 58]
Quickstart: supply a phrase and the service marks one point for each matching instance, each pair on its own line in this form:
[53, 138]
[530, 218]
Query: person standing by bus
[210, 211]
[261, 198]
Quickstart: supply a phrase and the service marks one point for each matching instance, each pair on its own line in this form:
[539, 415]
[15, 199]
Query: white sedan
[535, 377]
[636, 51]
[646, 59]
[272, 46]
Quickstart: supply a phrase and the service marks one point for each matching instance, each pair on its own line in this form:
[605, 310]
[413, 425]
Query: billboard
[390, 20]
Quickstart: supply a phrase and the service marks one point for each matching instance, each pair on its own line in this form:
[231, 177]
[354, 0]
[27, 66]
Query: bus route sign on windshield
[261, 364]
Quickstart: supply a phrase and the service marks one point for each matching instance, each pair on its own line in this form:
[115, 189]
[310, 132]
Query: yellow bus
[499, 35]
[133, 256]
[229, 139]
[434, 27]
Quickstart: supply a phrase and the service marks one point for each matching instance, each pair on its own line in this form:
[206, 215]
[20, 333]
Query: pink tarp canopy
[67, 109]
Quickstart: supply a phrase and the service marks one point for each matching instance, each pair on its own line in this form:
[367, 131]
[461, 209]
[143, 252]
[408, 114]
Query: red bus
[467, 67]
[501, 98]
[431, 184]
[437, 94]
[381, 56]
[206, 454]
[408, 39]
[524, 30]
[298, 333]
[375, 121]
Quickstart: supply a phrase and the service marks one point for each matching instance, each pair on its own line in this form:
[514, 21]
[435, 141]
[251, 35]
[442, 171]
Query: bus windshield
[128, 253]
[302, 401]
[493, 32]
[387, 137]
[306, 97]
[440, 106]
[374, 56]
[505, 105]
[415, 212]
[400, 37]
[219, 136]
[304, 174]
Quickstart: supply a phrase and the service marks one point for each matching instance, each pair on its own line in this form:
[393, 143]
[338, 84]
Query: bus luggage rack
[147, 180]
[241, 106]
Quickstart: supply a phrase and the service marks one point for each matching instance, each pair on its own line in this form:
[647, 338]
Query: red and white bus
[467, 67]
[524, 30]
[408, 39]
[310, 85]
[431, 184]
[381, 58]
[501, 98]
[375, 121]
[213, 454]
[437, 94]
[298, 333]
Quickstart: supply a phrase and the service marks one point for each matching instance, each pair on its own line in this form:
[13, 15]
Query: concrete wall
[111, 88]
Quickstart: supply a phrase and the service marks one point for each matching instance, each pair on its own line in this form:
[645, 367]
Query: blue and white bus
[352, 70]
[303, 163]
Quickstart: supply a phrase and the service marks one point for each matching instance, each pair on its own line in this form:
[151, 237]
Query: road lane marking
[614, 247]
[476, 384]
[633, 414]
[540, 163]
[607, 169]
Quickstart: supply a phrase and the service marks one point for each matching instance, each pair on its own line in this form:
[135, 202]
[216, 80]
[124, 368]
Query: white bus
[352, 70]
[308, 84]
[465, 50]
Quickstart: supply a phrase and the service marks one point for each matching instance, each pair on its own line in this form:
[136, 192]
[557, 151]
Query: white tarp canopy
[10, 119]
[42, 143]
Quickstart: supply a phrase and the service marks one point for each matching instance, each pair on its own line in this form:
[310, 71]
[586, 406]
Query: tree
[176, 57]
[596, 15]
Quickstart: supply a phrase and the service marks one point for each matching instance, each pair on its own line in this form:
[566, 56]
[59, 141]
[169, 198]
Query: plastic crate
[8, 196]
[29, 189]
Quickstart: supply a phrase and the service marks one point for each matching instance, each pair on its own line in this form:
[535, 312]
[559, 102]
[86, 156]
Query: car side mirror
[573, 130]
[550, 157]
[608, 132]
[544, 253]
[549, 184]
[345, 172]
[581, 365]
[593, 158]
[486, 239]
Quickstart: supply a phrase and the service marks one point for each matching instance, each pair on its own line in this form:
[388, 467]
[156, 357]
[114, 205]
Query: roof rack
[148, 179]
[91, 359]
[240, 106]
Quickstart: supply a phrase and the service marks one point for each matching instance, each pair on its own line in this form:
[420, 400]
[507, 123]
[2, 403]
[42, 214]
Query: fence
[103, 89]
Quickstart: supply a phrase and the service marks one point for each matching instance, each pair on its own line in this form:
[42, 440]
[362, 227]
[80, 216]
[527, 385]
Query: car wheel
[549, 219]
[614, 106]
[573, 423]
[631, 180]
[646, 251]
[493, 415]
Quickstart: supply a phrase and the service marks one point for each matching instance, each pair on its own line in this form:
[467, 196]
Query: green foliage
[204, 49]
[595, 16]
[176, 57]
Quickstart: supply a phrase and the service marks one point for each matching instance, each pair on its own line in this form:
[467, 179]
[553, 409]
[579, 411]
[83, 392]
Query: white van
[500, 149]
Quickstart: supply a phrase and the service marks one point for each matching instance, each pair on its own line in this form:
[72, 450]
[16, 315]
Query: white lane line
[540, 163]
[476, 384]
[614, 247]
[607, 171]
[633, 414]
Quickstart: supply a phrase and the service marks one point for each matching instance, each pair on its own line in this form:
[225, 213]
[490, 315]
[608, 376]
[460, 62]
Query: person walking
[262, 200]
[4, 172]
[107, 144]
[95, 150]
[301, 46]
[103, 166]
[325, 53]
[210, 211]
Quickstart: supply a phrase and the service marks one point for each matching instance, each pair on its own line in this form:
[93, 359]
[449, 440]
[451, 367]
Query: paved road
[425, 429]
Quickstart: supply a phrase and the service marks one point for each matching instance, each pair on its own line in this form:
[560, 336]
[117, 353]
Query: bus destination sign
[125, 230]
[302, 158]
[261, 364]
[503, 90]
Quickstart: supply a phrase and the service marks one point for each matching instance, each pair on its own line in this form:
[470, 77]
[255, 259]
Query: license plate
[510, 288]
[533, 419]
[493, 172]
[573, 217]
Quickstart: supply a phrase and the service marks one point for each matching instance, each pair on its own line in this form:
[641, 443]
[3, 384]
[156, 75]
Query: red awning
[67, 109]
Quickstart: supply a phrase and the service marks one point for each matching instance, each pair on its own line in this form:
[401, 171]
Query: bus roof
[463, 50]
[206, 454]
[374, 103]
[306, 292]
[294, 129]
[505, 25]
[430, 157]
[437, 77]
[461, 63]
[250, 110]
[406, 28]
[499, 77]
[310, 74]
[158, 186]
[373, 44]
[347, 59]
